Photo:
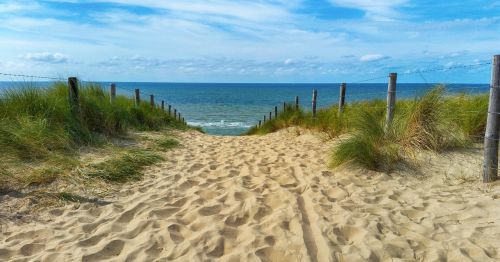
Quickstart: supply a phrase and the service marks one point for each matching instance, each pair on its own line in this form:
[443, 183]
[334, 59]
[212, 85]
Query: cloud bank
[243, 40]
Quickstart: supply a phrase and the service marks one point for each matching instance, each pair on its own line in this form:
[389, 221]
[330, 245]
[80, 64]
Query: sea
[232, 108]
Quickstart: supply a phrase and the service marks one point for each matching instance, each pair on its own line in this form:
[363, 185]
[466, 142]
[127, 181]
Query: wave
[221, 124]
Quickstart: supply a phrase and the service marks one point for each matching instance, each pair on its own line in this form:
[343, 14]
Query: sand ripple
[268, 198]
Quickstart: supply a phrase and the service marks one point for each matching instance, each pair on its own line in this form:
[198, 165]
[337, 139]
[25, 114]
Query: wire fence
[491, 137]
[356, 94]
[170, 109]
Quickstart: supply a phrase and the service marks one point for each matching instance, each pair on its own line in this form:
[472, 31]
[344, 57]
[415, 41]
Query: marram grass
[40, 138]
[369, 146]
[124, 167]
[434, 121]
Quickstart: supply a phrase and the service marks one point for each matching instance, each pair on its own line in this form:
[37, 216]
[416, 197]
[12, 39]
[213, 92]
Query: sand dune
[272, 198]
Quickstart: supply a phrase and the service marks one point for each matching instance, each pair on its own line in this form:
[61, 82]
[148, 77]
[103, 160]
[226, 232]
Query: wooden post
[74, 99]
[175, 113]
[260, 123]
[297, 102]
[342, 97]
[152, 101]
[264, 119]
[270, 116]
[314, 97]
[162, 105]
[179, 116]
[490, 165]
[276, 112]
[169, 110]
[391, 99]
[137, 97]
[112, 93]
[284, 106]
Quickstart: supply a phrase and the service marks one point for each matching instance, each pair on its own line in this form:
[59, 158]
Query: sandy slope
[272, 198]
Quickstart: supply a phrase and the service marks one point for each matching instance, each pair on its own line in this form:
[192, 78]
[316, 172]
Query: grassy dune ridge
[40, 140]
[433, 121]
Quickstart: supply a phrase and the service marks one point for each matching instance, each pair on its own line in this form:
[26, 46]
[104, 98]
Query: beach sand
[273, 198]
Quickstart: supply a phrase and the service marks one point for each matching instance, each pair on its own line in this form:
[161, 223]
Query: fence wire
[158, 99]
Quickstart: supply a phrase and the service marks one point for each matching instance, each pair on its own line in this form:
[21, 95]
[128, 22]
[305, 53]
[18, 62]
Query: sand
[273, 198]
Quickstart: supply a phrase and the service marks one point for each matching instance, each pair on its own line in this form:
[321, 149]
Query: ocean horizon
[232, 108]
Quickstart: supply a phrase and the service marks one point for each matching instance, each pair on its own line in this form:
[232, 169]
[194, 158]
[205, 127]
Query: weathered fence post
[74, 97]
[490, 165]
[260, 123]
[297, 102]
[162, 105]
[314, 97]
[264, 119]
[391, 99]
[284, 106]
[270, 116]
[342, 97]
[112, 93]
[137, 97]
[169, 110]
[179, 117]
[152, 101]
[175, 113]
[276, 112]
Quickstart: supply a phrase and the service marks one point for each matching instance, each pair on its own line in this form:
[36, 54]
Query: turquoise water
[230, 109]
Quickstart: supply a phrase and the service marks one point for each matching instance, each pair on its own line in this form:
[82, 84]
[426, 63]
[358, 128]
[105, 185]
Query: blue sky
[249, 41]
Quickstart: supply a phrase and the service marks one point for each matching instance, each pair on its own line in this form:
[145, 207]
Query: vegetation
[167, 143]
[124, 166]
[433, 121]
[41, 140]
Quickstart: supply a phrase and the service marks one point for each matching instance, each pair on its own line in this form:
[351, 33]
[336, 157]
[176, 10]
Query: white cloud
[17, 6]
[373, 58]
[383, 10]
[46, 57]
[193, 40]
[256, 11]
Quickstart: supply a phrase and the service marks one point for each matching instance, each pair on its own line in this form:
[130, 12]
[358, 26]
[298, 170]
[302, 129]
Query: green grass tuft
[435, 121]
[425, 125]
[369, 146]
[124, 167]
[168, 143]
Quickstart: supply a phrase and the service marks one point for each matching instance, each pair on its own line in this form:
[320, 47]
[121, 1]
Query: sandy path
[268, 198]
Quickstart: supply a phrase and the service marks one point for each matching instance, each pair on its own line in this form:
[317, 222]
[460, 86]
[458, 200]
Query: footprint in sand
[112, 249]
[349, 234]
[270, 240]
[163, 213]
[271, 254]
[175, 233]
[180, 202]
[210, 210]
[236, 220]
[31, 249]
[195, 167]
[92, 241]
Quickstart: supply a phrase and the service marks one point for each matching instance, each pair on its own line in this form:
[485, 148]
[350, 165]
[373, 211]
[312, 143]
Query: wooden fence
[491, 137]
[74, 100]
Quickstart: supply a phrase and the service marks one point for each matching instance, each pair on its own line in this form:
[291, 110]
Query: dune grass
[167, 143]
[123, 167]
[433, 121]
[369, 146]
[40, 139]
